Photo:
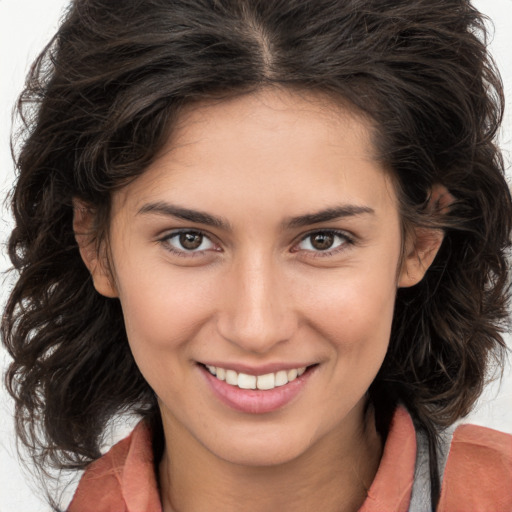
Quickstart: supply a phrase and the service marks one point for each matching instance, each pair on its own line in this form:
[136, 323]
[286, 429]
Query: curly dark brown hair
[98, 105]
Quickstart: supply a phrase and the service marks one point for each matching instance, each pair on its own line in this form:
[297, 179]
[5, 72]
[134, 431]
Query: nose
[257, 313]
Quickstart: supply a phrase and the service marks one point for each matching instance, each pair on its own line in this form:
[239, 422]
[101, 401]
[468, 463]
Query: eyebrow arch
[328, 214]
[196, 216]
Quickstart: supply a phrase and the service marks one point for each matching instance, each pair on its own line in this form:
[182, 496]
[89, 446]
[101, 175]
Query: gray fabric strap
[420, 497]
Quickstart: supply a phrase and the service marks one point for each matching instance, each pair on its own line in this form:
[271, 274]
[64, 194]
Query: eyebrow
[196, 216]
[329, 214]
[199, 217]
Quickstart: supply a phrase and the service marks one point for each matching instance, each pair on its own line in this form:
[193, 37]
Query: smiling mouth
[262, 382]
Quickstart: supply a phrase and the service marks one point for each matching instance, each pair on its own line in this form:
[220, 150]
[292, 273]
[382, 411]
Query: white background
[25, 26]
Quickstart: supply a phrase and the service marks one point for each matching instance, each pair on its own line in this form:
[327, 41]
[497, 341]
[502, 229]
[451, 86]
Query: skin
[258, 291]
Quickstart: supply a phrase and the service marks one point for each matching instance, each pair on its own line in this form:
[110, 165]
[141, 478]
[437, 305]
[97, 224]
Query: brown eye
[322, 241]
[188, 242]
[191, 241]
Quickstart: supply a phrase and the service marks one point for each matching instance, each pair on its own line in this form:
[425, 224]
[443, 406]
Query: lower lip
[256, 401]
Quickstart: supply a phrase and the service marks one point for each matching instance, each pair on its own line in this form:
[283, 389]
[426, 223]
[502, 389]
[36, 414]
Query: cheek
[162, 309]
[357, 325]
[162, 314]
[354, 311]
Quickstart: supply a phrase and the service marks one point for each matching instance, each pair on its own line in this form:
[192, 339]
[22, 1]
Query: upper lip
[256, 370]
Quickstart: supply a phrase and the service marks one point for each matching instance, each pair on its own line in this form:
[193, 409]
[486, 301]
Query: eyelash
[165, 240]
[347, 241]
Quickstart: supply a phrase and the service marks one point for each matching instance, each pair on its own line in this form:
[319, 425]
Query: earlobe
[424, 243]
[92, 255]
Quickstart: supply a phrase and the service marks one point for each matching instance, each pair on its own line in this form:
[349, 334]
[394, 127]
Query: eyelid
[173, 233]
[349, 238]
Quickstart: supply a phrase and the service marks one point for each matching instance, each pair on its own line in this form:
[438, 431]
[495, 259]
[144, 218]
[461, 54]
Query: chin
[261, 450]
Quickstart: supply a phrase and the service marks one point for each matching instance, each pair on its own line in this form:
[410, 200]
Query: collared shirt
[477, 477]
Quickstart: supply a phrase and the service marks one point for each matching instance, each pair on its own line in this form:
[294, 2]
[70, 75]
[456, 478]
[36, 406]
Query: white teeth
[266, 381]
[232, 377]
[281, 378]
[246, 381]
[292, 374]
[263, 382]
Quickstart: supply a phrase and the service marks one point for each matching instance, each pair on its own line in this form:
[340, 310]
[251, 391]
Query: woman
[277, 232]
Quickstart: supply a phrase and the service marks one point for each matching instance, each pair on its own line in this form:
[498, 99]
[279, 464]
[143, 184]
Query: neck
[333, 475]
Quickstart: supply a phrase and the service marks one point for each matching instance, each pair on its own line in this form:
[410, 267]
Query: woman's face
[263, 241]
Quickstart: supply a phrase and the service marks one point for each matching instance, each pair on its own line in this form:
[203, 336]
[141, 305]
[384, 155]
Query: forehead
[303, 116]
[273, 145]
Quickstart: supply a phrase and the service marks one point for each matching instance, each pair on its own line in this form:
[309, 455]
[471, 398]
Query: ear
[93, 256]
[422, 245]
